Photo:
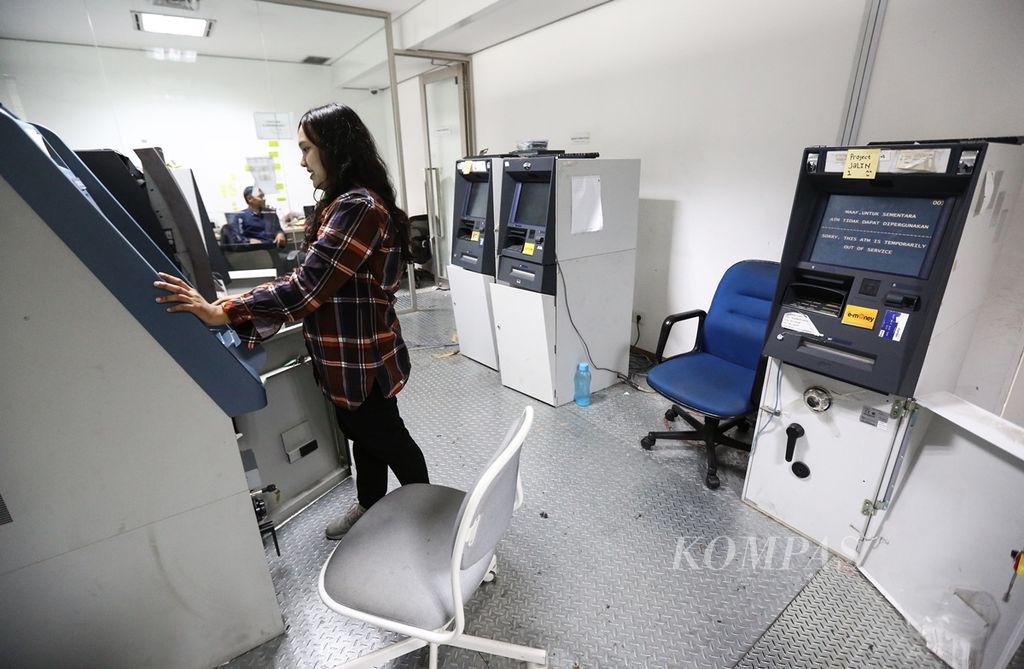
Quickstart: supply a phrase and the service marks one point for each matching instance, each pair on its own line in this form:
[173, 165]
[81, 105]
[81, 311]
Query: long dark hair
[350, 160]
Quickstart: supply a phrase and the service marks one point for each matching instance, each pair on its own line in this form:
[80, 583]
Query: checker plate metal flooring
[618, 557]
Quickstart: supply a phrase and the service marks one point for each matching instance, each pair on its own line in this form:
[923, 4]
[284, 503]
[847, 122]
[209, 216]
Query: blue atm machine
[127, 533]
[292, 443]
[887, 432]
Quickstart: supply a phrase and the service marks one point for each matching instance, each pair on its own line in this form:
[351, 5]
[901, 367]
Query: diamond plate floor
[861, 629]
[619, 557]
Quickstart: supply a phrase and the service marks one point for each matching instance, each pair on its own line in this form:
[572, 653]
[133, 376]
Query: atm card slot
[523, 274]
[833, 354]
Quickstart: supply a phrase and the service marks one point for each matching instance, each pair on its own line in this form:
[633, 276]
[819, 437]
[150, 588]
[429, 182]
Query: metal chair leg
[711, 427]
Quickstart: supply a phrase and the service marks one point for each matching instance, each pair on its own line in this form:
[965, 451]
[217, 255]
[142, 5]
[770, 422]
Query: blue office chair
[720, 377]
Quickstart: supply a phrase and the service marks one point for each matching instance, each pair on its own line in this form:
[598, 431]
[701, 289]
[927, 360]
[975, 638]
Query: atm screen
[477, 205]
[532, 203]
[883, 234]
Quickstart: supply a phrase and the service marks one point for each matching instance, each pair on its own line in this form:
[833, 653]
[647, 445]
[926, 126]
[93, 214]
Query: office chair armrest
[671, 320]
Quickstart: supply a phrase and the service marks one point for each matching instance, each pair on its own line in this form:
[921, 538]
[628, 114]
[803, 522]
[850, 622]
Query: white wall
[944, 69]
[716, 99]
[947, 69]
[200, 113]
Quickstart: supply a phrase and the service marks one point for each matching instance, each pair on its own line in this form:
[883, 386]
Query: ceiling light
[176, 55]
[172, 25]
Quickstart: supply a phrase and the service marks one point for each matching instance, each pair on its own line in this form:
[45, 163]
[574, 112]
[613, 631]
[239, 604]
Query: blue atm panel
[55, 183]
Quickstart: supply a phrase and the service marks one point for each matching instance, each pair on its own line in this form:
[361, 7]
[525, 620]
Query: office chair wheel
[647, 442]
[712, 482]
[671, 414]
[492, 570]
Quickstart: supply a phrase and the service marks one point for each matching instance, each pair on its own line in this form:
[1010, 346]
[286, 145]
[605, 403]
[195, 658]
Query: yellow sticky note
[279, 186]
[475, 236]
[248, 169]
[273, 154]
[467, 166]
[528, 248]
[281, 198]
[860, 317]
[861, 163]
[272, 142]
[277, 166]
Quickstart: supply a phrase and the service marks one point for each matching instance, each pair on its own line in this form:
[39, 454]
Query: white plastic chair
[414, 559]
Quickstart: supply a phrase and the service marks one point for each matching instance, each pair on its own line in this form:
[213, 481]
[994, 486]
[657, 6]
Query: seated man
[259, 224]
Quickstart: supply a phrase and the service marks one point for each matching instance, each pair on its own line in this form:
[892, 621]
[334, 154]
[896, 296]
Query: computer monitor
[892, 235]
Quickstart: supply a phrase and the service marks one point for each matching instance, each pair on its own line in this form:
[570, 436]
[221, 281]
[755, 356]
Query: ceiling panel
[503, 21]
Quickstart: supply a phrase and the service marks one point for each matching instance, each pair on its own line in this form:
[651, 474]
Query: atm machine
[473, 262]
[863, 443]
[292, 443]
[127, 533]
[564, 287]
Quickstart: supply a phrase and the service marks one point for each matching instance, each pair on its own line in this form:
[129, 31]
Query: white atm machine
[127, 531]
[865, 442]
[567, 258]
[473, 261]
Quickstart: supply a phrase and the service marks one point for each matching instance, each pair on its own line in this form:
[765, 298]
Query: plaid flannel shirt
[344, 293]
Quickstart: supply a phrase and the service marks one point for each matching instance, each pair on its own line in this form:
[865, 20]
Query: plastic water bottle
[583, 384]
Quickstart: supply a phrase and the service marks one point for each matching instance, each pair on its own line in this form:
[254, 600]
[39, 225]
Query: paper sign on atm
[860, 317]
[861, 163]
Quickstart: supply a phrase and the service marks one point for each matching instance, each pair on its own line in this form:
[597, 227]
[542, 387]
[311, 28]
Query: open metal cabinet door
[942, 555]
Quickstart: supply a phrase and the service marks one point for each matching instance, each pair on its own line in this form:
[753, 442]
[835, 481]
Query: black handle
[793, 432]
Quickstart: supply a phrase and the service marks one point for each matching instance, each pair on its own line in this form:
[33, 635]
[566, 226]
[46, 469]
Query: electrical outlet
[638, 317]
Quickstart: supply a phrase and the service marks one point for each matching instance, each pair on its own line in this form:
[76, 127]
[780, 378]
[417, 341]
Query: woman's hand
[188, 299]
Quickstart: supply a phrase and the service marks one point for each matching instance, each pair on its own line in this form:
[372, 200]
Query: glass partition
[223, 101]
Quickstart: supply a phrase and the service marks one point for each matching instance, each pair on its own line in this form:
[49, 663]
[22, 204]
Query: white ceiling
[502, 21]
[260, 30]
[243, 28]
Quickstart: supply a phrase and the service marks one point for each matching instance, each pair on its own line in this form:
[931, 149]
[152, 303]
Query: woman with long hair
[344, 293]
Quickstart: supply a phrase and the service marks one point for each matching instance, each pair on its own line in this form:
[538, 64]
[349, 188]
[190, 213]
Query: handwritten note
[861, 163]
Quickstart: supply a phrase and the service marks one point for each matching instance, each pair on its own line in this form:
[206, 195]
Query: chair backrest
[419, 239]
[737, 319]
[487, 508]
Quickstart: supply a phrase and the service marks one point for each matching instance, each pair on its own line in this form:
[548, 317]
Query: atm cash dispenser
[124, 510]
[887, 261]
[564, 288]
[471, 272]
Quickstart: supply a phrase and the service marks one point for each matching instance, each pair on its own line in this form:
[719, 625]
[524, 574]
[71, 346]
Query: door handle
[793, 432]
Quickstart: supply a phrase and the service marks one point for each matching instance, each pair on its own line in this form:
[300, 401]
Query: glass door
[445, 107]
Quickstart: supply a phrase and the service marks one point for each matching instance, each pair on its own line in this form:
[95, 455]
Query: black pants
[380, 440]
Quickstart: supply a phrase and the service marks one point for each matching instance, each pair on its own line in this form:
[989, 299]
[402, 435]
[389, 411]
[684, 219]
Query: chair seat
[705, 383]
[415, 527]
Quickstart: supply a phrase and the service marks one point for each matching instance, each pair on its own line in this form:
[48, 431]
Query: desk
[295, 232]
